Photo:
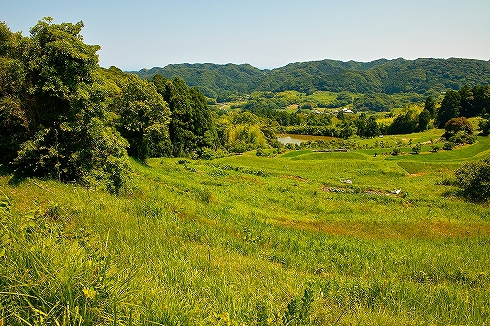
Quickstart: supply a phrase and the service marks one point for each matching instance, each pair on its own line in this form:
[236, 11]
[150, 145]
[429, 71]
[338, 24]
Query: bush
[462, 138]
[306, 106]
[435, 148]
[209, 154]
[471, 139]
[416, 149]
[474, 179]
[448, 146]
[457, 126]
[395, 151]
[260, 152]
[484, 126]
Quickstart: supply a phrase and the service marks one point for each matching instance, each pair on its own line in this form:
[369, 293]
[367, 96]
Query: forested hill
[214, 80]
[380, 76]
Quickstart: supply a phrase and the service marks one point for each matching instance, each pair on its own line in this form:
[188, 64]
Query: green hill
[214, 80]
[380, 76]
[247, 240]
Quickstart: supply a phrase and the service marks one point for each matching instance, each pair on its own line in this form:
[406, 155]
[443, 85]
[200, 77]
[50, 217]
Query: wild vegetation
[65, 117]
[298, 238]
[122, 200]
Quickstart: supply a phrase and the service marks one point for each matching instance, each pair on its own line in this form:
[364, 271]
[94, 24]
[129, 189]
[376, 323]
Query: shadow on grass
[15, 178]
[453, 193]
[461, 194]
[140, 162]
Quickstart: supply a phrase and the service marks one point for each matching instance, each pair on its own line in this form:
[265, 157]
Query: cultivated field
[297, 239]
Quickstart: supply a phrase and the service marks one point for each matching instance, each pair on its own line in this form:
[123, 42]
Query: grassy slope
[249, 240]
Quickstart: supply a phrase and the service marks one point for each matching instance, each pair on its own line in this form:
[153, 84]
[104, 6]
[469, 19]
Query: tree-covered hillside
[213, 80]
[380, 76]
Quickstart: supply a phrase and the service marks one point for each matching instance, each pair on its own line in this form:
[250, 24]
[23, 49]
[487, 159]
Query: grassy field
[328, 97]
[303, 238]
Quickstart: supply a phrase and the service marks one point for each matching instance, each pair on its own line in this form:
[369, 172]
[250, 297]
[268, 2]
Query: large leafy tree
[450, 108]
[481, 102]
[191, 126]
[59, 106]
[430, 105]
[467, 101]
[424, 119]
[14, 123]
[372, 128]
[144, 118]
[367, 127]
[404, 123]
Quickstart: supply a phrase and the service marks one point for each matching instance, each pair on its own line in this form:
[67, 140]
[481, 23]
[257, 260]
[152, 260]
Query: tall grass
[247, 240]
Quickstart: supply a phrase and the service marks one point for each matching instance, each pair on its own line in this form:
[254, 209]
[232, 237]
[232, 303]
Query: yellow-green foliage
[244, 137]
[300, 239]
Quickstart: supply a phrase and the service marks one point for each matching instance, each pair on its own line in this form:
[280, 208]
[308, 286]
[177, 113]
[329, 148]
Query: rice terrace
[162, 197]
[255, 239]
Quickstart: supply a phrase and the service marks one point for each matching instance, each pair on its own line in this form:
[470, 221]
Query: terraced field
[302, 238]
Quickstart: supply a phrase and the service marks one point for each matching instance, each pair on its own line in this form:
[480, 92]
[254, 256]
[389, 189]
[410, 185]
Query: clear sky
[265, 33]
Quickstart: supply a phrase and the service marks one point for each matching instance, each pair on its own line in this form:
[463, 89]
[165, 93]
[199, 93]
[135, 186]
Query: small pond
[298, 139]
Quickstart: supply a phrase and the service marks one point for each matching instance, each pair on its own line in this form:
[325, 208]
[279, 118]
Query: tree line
[421, 76]
[467, 102]
[63, 116]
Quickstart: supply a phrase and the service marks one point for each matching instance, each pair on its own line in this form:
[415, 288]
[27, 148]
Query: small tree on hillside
[457, 125]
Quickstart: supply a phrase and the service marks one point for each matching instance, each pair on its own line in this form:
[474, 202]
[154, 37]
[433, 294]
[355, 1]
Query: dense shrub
[484, 126]
[474, 179]
[416, 149]
[462, 138]
[396, 151]
[457, 125]
[448, 146]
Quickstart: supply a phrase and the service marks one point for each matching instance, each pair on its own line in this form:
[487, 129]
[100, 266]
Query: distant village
[344, 110]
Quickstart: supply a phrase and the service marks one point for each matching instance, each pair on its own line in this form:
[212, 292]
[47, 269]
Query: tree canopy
[191, 125]
[144, 118]
[450, 108]
[467, 102]
[226, 82]
[65, 117]
[55, 115]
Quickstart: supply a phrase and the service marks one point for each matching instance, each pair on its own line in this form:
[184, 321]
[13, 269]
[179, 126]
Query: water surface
[298, 139]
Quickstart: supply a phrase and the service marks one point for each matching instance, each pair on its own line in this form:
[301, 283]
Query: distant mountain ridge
[379, 76]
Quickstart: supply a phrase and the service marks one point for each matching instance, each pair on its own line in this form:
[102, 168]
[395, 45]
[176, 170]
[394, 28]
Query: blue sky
[265, 33]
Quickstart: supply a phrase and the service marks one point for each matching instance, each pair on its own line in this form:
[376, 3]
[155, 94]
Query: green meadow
[300, 238]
